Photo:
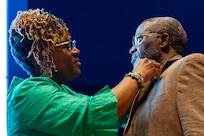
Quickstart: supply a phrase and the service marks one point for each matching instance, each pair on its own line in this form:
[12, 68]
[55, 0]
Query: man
[173, 105]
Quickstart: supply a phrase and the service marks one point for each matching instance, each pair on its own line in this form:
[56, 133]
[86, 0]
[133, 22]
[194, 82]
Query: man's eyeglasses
[139, 38]
[71, 44]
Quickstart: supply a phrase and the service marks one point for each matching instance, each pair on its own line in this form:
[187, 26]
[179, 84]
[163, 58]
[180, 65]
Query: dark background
[104, 29]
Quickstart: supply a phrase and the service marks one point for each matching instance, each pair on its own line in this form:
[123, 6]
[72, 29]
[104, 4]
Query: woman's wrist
[138, 77]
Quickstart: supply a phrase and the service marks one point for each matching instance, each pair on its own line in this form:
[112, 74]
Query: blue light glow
[3, 64]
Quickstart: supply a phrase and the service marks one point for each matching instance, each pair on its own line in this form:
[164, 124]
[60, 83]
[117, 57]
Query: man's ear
[164, 40]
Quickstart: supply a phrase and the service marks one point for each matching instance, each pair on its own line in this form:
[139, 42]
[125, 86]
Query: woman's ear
[164, 40]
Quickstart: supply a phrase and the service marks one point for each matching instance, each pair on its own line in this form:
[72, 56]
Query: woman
[42, 104]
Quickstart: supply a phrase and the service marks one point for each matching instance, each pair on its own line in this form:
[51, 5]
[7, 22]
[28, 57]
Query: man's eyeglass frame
[137, 39]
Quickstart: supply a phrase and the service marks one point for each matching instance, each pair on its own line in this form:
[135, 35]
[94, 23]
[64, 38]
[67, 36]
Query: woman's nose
[132, 50]
[76, 50]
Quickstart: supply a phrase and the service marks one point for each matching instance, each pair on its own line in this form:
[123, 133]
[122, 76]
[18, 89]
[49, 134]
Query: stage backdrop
[103, 30]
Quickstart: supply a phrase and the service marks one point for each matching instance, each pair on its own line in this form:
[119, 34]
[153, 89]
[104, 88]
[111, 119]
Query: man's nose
[132, 50]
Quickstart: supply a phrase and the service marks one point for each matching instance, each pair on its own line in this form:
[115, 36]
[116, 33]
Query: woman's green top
[38, 106]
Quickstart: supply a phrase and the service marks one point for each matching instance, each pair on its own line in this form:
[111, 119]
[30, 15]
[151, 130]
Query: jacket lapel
[143, 93]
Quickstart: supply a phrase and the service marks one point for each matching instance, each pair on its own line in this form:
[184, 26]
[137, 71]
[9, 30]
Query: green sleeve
[42, 105]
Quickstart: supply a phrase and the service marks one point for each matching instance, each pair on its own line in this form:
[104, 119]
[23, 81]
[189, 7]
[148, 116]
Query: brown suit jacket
[174, 106]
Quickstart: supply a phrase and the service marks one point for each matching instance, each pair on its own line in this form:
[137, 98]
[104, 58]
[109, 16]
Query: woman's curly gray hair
[32, 37]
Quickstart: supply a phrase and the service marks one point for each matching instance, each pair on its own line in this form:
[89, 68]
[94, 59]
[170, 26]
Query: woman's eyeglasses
[71, 44]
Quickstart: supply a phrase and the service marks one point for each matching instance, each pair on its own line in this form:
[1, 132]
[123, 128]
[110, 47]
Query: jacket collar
[171, 60]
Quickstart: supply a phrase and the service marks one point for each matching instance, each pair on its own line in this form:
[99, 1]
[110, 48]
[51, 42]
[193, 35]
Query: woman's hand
[126, 90]
[148, 68]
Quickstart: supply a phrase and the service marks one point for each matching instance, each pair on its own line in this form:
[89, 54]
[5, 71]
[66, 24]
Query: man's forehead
[142, 28]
